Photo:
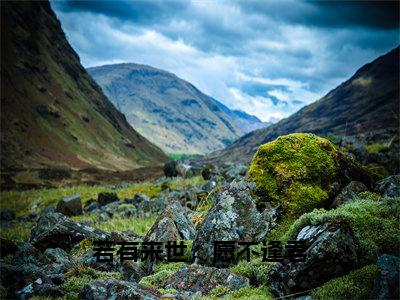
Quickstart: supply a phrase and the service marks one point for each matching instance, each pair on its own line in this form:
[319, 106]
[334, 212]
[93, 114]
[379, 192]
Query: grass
[139, 226]
[176, 156]
[356, 285]
[376, 148]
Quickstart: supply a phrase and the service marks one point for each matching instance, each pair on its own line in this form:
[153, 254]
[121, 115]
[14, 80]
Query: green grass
[176, 156]
[139, 226]
[376, 148]
[356, 285]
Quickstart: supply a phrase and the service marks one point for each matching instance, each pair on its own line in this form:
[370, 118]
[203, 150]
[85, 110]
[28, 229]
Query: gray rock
[70, 206]
[389, 186]
[170, 169]
[234, 171]
[386, 284]
[331, 252]
[57, 260]
[349, 192]
[195, 278]
[106, 198]
[233, 217]
[54, 230]
[172, 225]
[185, 170]
[117, 289]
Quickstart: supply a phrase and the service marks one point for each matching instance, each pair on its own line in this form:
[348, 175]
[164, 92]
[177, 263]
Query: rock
[139, 197]
[298, 170]
[208, 171]
[389, 186]
[70, 206]
[7, 215]
[57, 260]
[349, 192]
[331, 252]
[42, 286]
[7, 247]
[91, 205]
[27, 254]
[185, 170]
[172, 225]
[54, 230]
[9, 273]
[233, 171]
[117, 289]
[233, 217]
[170, 169]
[195, 278]
[106, 198]
[386, 284]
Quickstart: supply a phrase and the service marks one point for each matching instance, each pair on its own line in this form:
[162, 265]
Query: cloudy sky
[268, 58]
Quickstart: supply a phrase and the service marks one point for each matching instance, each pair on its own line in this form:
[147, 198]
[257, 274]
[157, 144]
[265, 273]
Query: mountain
[167, 110]
[368, 102]
[243, 120]
[53, 114]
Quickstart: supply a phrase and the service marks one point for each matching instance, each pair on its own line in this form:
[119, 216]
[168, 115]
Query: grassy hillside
[53, 114]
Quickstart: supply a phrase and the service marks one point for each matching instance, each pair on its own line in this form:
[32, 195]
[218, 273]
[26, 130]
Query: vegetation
[177, 156]
[377, 147]
[356, 285]
[373, 220]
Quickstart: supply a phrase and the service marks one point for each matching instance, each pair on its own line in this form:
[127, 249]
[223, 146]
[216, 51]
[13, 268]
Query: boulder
[349, 192]
[302, 171]
[386, 284]
[172, 225]
[70, 206]
[117, 289]
[106, 198]
[331, 252]
[209, 171]
[233, 217]
[56, 260]
[195, 278]
[54, 230]
[170, 169]
[185, 170]
[234, 171]
[389, 186]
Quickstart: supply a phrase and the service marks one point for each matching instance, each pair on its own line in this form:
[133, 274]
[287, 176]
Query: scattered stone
[56, 260]
[172, 225]
[54, 230]
[185, 170]
[349, 192]
[234, 171]
[233, 217]
[117, 289]
[389, 186]
[331, 252]
[208, 171]
[195, 278]
[70, 206]
[91, 205]
[7, 215]
[106, 198]
[170, 169]
[386, 284]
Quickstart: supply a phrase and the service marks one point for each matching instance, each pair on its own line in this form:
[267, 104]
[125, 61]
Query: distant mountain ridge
[54, 115]
[367, 102]
[169, 111]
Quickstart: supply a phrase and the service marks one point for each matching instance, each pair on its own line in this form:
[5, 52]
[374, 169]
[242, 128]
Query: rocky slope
[169, 111]
[366, 103]
[53, 113]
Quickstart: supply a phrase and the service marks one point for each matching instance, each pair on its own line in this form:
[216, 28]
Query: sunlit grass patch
[137, 225]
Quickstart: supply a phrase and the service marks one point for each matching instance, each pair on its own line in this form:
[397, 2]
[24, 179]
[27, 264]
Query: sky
[267, 58]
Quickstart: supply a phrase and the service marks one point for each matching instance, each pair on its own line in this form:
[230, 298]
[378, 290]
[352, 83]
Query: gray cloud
[268, 58]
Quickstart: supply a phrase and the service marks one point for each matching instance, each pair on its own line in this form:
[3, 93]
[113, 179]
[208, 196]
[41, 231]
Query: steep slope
[367, 102]
[53, 115]
[243, 120]
[167, 110]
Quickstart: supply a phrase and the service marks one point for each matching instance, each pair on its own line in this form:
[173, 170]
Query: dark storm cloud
[138, 11]
[371, 14]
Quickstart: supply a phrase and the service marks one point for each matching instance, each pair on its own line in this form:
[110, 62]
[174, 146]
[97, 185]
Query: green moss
[162, 272]
[356, 285]
[255, 270]
[78, 276]
[295, 170]
[376, 148]
[373, 220]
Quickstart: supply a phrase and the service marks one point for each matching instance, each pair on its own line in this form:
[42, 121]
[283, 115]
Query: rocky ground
[299, 187]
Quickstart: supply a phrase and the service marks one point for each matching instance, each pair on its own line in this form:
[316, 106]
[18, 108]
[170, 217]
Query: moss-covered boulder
[301, 172]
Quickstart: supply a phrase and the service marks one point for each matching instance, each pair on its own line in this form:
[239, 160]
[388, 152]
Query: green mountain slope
[53, 114]
[368, 102]
[167, 110]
